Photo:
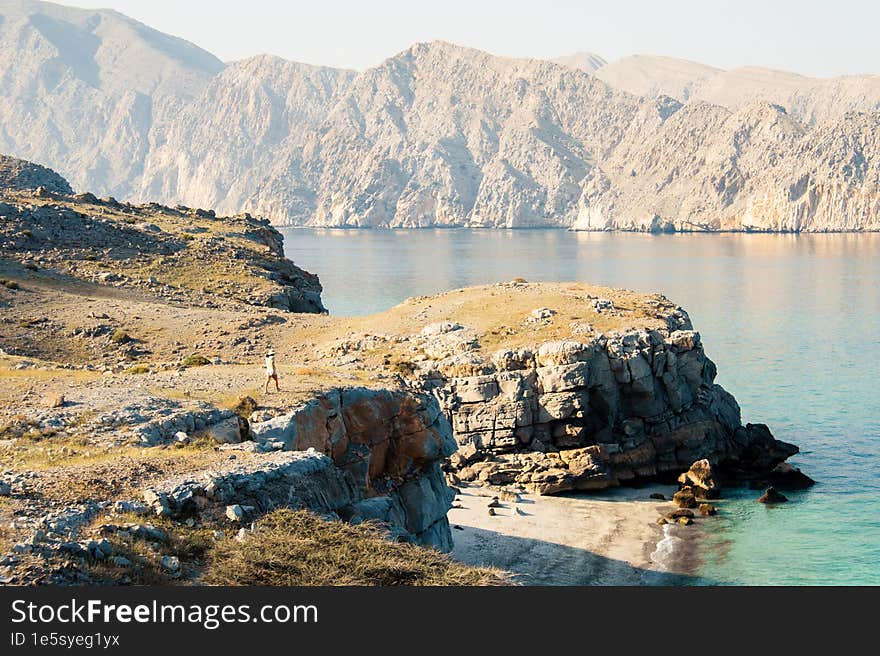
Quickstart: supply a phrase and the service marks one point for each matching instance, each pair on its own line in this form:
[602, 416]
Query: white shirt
[270, 365]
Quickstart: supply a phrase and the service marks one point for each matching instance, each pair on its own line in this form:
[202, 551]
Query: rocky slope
[437, 135]
[88, 91]
[811, 101]
[158, 250]
[18, 175]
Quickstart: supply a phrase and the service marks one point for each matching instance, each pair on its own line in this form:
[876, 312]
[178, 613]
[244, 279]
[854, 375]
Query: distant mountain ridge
[437, 135]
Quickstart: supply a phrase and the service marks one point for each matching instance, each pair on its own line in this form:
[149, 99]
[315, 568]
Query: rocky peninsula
[138, 446]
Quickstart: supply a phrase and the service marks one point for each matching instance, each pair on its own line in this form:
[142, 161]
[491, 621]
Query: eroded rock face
[388, 445]
[573, 416]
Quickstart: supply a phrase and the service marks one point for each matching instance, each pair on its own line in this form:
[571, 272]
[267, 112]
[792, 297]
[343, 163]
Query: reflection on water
[793, 322]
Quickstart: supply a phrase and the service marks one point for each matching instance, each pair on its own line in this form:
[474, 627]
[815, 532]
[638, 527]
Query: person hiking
[271, 370]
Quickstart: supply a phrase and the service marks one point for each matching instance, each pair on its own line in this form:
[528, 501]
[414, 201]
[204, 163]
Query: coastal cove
[787, 318]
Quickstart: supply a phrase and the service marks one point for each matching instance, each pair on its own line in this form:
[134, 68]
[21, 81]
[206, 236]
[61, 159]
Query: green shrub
[195, 360]
[120, 337]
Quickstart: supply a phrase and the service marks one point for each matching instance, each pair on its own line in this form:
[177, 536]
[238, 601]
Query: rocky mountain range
[438, 135]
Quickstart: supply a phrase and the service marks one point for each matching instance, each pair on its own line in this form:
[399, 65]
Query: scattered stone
[772, 496]
[662, 520]
[171, 564]
[235, 513]
[658, 496]
[684, 521]
[491, 512]
[121, 561]
[681, 512]
[5, 489]
[55, 401]
[542, 313]
[493, 503]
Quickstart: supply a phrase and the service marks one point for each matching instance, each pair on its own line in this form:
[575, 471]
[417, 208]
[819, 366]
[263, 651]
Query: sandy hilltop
[138, 446]
[437, 135]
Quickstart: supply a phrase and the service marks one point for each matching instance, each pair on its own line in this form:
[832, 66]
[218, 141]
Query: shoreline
[461, 228]
[604, 538]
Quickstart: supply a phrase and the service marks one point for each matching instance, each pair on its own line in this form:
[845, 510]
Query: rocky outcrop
[589, 415]
[387, 446]
[181, 253]
[18, 175]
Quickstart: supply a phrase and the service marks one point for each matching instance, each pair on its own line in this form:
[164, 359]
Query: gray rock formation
[578, 416]
[387, 446]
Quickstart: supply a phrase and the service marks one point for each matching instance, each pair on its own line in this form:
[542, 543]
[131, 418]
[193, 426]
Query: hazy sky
[830, 37]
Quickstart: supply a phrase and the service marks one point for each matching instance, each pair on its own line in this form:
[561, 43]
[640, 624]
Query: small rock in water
[772, 495]
[708, 509]
[684, 521]
[681, 512]
[658, 496]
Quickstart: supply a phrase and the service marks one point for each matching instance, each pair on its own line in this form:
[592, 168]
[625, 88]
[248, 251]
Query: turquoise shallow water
[793, 322]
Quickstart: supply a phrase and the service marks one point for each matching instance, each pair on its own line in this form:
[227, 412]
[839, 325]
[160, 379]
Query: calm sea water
[793, 322]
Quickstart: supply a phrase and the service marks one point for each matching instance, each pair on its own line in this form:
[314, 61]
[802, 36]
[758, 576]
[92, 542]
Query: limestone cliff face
[437, 135]
[386, 446]
[86, 91]
[575, 415]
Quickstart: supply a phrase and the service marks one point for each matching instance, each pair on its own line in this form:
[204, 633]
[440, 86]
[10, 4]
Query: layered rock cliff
[590, 415]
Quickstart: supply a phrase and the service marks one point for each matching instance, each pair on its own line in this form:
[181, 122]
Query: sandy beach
[607, 538]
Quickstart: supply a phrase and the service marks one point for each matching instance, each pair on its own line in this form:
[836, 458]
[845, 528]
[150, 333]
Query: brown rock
[685, 498]
[708, 509]
[662, 520]
[681, 512]
[684, 521]
[702, 480]
[772, 496]
[55, 401]
[658, 496]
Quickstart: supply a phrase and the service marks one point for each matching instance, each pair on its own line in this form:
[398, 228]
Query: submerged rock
[788, 477]
[772, 496]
